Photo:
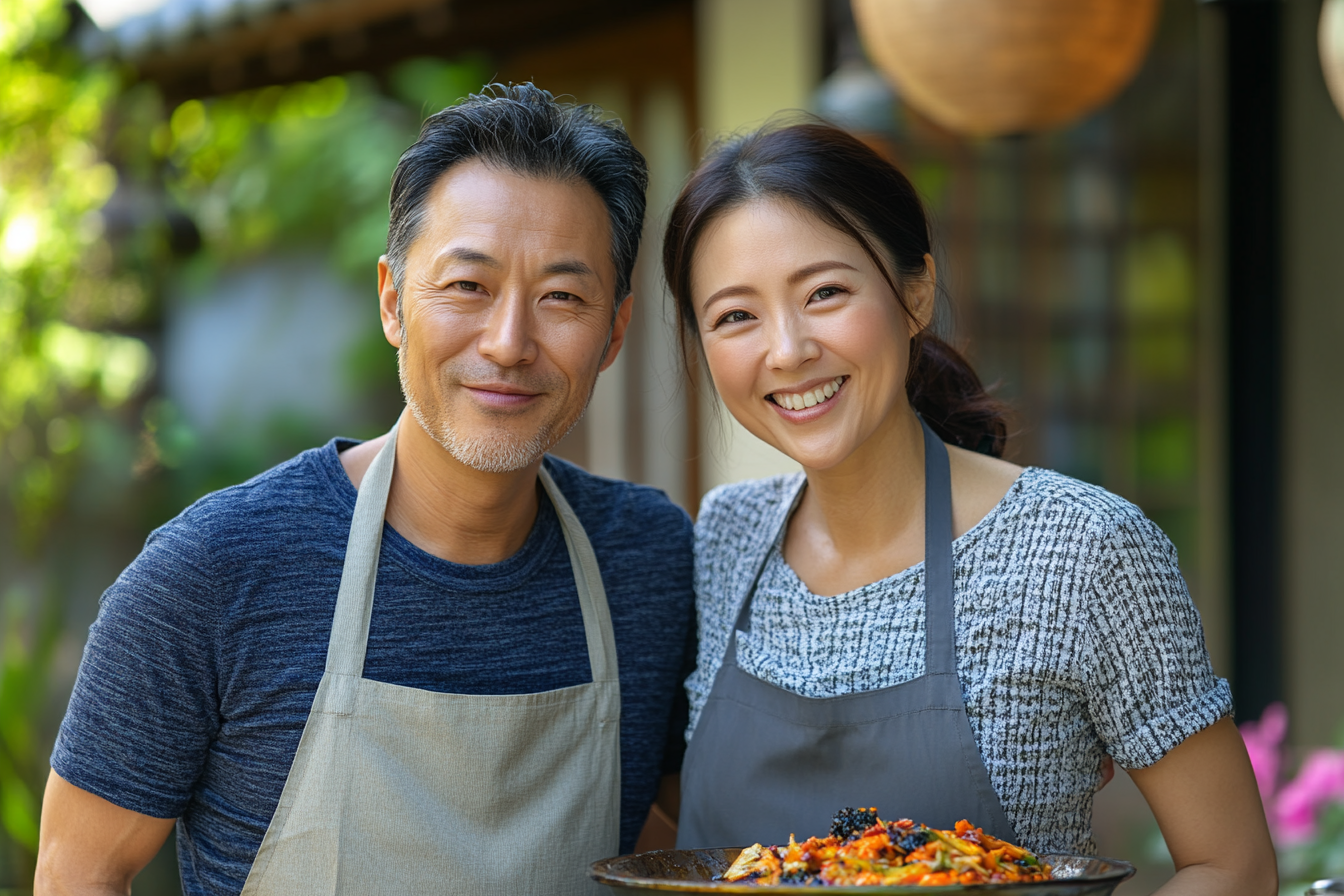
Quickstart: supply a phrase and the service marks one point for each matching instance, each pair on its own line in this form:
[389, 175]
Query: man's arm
[90, 847]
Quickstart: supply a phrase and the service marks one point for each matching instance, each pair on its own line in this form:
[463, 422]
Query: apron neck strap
[939, 621]
[354, 601]
[940, 652]
[588, 581]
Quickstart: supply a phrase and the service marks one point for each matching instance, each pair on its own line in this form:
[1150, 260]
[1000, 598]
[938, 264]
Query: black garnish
[914, 840]
[852, 822]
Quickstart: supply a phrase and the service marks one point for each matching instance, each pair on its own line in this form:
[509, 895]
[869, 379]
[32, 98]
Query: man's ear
[387, 303]
[618, 327]
[921, 297]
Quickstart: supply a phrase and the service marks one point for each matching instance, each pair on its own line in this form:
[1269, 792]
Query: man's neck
[446, 508]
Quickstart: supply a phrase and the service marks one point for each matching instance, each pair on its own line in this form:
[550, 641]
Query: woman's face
[806, 342]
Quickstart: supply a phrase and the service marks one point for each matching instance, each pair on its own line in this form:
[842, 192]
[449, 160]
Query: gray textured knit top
[1076, 636]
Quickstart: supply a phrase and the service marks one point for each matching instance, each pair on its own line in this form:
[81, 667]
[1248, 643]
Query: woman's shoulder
[1053, 498]
[1062, 511]
[740, 509]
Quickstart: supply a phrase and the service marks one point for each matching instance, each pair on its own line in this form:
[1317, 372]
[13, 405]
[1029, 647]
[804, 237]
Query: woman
[913, 623]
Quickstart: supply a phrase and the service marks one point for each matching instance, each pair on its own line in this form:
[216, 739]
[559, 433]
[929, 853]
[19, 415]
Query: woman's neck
[863, 519]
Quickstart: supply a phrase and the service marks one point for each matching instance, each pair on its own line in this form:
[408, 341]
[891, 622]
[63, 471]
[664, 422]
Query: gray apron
[764, 763]
[396, 790]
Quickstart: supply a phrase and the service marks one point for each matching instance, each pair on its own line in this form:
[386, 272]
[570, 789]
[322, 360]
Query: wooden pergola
[199, 48]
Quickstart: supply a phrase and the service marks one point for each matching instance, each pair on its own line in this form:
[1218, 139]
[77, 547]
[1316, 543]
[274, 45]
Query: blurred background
[1139, 212]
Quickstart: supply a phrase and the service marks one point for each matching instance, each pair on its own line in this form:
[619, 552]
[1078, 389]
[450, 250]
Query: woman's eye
[733, 317]
[827, 292]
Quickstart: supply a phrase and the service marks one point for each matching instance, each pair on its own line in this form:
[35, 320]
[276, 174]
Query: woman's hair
[830, 173]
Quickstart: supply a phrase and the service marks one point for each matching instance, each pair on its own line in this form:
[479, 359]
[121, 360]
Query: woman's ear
[921, 297]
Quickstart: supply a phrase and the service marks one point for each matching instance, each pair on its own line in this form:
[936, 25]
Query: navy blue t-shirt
[201, 667]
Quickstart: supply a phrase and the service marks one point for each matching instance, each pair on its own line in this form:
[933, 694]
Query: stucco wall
[756, 57]
[1314, 373]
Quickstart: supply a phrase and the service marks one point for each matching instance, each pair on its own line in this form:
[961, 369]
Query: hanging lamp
[1331, 39]
[993, 67]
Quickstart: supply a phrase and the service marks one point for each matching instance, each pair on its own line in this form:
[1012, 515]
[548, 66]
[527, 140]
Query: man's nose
[790, 344]
[508, 336]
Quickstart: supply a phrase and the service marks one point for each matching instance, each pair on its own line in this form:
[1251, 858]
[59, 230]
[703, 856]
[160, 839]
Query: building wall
[755, 58]
[1313, 159]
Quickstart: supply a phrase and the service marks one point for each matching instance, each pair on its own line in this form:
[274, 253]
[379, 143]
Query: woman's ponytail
[948, 394]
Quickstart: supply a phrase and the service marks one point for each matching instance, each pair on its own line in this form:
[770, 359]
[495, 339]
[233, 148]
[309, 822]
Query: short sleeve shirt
[201, 667]
[1075, 637]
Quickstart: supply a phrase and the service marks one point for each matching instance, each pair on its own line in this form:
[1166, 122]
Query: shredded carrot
[897, 852]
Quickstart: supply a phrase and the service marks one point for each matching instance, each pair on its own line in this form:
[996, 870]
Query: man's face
[508, 300]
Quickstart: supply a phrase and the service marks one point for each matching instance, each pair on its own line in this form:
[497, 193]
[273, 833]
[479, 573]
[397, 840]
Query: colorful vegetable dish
[864, 850]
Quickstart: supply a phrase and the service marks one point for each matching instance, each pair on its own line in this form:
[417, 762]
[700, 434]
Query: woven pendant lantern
[993, 67]
[1331, 38]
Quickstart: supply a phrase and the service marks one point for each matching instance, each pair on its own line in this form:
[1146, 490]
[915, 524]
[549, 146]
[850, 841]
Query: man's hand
[1204, 796]
[90, 846]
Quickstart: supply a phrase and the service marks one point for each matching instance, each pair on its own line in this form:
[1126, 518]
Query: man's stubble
[491, 453]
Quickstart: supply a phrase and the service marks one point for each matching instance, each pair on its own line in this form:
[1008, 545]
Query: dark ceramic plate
[693, 871]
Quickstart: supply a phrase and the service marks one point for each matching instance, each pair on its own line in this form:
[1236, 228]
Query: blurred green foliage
[107, 199]
[62, 294]
[25, 651]
[303, 164]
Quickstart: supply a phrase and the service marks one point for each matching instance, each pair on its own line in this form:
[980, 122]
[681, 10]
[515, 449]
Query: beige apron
[401, 791]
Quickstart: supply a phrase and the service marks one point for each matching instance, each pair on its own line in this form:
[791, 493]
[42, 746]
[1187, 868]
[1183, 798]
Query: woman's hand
[1204, 796]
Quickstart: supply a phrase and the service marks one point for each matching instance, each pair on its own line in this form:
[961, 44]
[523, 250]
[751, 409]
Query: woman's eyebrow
[816, 268]
[728, 292]
[793, 279]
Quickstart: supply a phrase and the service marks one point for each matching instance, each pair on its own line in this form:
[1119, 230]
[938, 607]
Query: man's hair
[523, 129]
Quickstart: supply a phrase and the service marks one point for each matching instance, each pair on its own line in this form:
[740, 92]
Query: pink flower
[1321, 781]
[1263, 741]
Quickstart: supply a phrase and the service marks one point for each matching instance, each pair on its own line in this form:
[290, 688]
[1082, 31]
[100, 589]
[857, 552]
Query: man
[324, 703]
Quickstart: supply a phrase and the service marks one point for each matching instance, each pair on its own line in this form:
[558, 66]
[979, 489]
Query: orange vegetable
[898, 852]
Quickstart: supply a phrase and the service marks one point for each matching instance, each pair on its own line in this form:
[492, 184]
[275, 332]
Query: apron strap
[354, 600]
[940, 636]
[939, 624]
[588, 580]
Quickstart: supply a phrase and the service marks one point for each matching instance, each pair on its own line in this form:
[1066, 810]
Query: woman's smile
[807, 402]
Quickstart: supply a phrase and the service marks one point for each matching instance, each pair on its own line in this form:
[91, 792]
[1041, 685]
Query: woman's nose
[790, 345]
[508, 338]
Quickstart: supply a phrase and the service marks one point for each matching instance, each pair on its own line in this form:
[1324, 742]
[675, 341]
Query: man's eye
[467, 285]
[563, 296]
[733, 317]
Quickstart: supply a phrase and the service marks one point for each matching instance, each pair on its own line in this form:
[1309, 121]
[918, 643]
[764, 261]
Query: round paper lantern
[1331, 37]
[991, 67]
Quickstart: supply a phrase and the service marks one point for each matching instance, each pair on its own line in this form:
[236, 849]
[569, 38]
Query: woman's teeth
[795, 401]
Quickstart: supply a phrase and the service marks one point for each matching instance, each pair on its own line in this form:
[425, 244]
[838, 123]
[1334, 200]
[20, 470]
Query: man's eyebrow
[816, 268]
[570, 266]
[474, 256]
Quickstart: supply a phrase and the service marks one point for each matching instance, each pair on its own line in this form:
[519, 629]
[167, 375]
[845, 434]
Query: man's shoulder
[616, 509]
[287, 501]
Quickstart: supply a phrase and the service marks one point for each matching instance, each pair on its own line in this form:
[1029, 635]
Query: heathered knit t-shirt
[201, 668]
[1075, 637]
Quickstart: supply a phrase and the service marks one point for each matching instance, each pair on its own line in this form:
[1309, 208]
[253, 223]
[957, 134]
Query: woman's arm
[1204, 796]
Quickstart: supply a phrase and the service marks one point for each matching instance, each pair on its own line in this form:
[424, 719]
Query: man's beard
[490, 453]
